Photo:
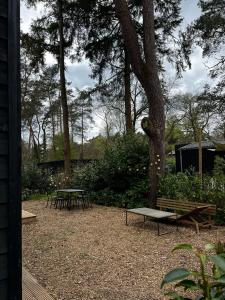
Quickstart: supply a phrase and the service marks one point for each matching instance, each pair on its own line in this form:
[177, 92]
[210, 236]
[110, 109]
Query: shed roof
[217, 145]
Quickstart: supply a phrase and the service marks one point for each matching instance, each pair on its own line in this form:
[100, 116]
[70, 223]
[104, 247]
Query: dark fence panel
[10, 200]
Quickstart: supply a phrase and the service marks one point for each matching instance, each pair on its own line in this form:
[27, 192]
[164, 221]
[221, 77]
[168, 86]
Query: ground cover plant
[207, 282]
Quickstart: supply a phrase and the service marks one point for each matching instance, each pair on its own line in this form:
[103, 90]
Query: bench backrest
[185, 206]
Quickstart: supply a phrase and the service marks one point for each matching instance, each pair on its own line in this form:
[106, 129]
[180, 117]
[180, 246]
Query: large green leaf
[183, 246]
[174, 296]
[202, 258]
[219, 261]
[174, 275]
[188, 285]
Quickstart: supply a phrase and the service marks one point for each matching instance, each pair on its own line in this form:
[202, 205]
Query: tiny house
[187, 155]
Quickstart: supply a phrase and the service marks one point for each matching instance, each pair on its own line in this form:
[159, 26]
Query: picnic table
[153, 214]
[70, 192]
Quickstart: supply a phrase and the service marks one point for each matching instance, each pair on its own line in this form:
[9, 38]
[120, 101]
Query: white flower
[158, 168]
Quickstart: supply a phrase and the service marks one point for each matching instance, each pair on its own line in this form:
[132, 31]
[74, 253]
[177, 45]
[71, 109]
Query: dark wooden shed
[10, 204]
[187, 155]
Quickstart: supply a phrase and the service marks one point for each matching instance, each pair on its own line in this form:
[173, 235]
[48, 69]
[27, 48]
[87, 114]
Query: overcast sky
[78, 73]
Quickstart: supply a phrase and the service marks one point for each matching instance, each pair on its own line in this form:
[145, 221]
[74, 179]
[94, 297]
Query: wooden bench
[194, 213]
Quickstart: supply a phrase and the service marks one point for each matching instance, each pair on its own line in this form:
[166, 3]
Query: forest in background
[130, 46]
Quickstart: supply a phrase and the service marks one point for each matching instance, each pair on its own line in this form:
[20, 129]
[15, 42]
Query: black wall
[10, 209]
[190, 159]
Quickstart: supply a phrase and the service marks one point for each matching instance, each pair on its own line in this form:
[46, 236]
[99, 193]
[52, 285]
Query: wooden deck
[32, 290]
[27, 217]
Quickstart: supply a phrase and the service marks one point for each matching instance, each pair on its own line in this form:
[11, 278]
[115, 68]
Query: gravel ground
[93, 255]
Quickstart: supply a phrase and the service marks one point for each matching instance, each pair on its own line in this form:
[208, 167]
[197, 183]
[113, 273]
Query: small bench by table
[152, 213]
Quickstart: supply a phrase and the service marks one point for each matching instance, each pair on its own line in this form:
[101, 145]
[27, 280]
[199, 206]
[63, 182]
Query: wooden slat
[3, 239]
[3, 216]
[3, 94]
[3, 28]
[3, 9]
[3, 266]
[3, 71]
[184, 205]
[3, 167]
[3, 50]
[32, 289]
[3, 144]
[3, 290]
[3, 191]
[3, 118]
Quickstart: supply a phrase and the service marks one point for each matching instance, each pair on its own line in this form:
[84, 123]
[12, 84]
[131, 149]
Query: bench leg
[158, 227]
[126, 217]
[196, 224]
[197, 227]
[177, 224]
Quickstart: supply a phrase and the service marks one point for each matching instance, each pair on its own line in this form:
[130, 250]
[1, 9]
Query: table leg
[126, 217]
[82, 196]
[69, 202]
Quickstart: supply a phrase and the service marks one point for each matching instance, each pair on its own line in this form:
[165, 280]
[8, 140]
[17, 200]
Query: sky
[79, 73]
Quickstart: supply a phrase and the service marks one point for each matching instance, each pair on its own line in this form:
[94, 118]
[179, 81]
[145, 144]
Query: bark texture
[65, 111]
[127, 94]
[146, 71]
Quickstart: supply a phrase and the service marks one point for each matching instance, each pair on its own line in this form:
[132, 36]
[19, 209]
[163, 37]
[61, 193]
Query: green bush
[188, 187]
[34, 180]
[121, 176]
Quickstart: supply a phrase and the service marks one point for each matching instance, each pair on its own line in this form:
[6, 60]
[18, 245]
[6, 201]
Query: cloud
[29, 14]
[190, 11]
[79, 75]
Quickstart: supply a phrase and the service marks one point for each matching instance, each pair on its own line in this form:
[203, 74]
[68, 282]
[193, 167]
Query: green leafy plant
[121, 175]
[208, 283]
[34, 181]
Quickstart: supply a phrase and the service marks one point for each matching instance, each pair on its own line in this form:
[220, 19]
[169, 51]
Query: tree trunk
[44, 156]
[36, 150]
[67, 162]
[127, 94]
[147, 74]
[82, 133]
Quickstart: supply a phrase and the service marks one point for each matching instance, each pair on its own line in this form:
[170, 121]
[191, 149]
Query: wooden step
[27, 217]
[32, 289]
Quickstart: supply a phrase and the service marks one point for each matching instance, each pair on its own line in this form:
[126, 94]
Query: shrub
[188, 187]
[121, 176]
[207, 285]
[34, 180]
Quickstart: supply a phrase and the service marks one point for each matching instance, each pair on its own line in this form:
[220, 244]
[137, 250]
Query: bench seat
[189, 212]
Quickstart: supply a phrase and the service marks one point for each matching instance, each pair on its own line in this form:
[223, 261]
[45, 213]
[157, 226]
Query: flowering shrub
[59, 181]
[122, 173]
